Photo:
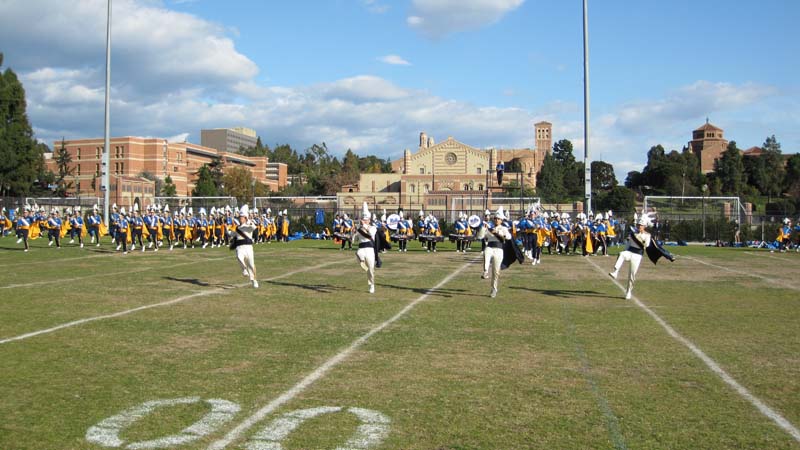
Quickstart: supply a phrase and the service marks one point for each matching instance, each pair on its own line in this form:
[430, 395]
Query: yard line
[318, 373]
[39, 263]
[739, 272]
[768, 255]
[154, 305]
[67, 280]
[711, 364]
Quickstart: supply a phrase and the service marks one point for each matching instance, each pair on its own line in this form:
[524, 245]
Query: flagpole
[106, 185]
[586, 160]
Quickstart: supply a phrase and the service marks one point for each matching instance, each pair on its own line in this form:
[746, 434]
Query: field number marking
[107, 432]
[373, 429]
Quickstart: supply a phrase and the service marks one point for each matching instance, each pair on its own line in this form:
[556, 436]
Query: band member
[24, 224]
[4, 222]
[136, 225]
[785, 235]
[93, 225]
[432, 229]
[421, 225]
[242, 243]
[364, 235]
[151, 222]
[405, 229]
[487, 222]
[123, 231]
[54, 228]
[493, 255]
[347, 229]
[168, 227]
[638, 241]
[600, 231]
[462, 230]
[113, 219]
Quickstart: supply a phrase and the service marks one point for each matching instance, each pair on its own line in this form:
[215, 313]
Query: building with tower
[708, 143]
[431, 177]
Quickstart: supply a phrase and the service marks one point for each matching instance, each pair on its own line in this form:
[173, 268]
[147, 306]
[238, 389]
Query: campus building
[444, 175]
[708, 144]
[230, 140]
[132, 156]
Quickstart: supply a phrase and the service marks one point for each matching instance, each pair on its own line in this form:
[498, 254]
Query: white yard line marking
[322, 370]
[772, 256]
[154, 305]
[53, 261]
[711, 364]
[129, 271]
[739, 272]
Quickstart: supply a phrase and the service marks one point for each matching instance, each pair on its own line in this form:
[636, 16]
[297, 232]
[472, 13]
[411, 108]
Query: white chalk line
[711, 364]
[739, 272]
[129, 271]
[154, 305]
[771, 255]
[318, 373]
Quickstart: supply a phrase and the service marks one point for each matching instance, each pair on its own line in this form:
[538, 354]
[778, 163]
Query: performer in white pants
[495, 236]
[364, 235]
[637, 244]
[243, 236]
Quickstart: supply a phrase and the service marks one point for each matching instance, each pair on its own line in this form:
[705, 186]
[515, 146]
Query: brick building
[708, 144]
[131, 156]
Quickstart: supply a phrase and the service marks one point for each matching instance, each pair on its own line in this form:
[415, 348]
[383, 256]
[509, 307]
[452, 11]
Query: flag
[511, 254]
[656, 251]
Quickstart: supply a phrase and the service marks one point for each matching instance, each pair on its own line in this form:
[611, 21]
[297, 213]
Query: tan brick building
[436, 175]
[708, 144]
[131, 156]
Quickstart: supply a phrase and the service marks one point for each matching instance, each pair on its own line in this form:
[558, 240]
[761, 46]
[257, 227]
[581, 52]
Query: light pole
[587, 186]
[705, 188]
[107, 134]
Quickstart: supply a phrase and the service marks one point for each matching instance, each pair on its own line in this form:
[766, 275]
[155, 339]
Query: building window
[78, 154]
[97, 170]
[427, 188]
[121, 167]
[422, 171]
[174, 168]
[180, 158]
[78, 170]
[479, 170]
[97, 152]
[78, 186]
[412, 188]
[466, 187]
[480, 186]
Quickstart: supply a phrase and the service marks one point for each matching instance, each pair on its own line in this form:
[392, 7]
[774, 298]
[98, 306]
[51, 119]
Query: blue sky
[371, 74]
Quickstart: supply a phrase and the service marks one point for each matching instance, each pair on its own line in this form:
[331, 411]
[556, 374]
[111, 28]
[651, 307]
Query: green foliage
[238, 183]
[21, 157]
[729, 169]
[550, 181]
[791, 179]
[603, 178]
[571, 170]
[618, 198]
[205, 186]
[169, 189]
[63, 160]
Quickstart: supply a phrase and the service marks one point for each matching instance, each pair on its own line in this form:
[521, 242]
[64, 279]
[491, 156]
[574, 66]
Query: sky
[370, 75]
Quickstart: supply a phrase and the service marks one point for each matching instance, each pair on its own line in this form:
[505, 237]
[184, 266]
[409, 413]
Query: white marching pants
[244, 253]
[635, 259]
[494, 257]
[366, 257]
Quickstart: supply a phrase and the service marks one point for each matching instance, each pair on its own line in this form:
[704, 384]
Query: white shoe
[124, 253]
[50, 244]
[205, 245]
[25, 250]
[133, 247]
[81, 245]
[245, 273]
[628, 295]
[97, 245]
[255, 284]
[371, 288]
[156, 249]
[19, 241]
[150, 246]
[72, 241]
[485, 275]
[92, 240]
[493, 294]
[119, 247]
[184, 245]
[170, 248]
[613, 275]
[142, 249]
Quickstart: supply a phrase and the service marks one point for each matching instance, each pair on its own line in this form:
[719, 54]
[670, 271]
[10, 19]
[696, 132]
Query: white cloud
[438, 18]
[376, 7]
[394, 60]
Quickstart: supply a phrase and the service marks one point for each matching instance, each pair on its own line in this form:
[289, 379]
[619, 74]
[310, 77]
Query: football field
[176, 350]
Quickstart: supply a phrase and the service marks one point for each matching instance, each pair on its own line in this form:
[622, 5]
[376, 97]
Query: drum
[392, 221]
[430, 238]
[474, 221]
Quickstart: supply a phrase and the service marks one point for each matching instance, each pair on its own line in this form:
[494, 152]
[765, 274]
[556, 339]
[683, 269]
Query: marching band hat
[500, 214]
[166, 208]
[114, 206]
[244, 211]
[365, 214]
[645, 220]
[122, 211]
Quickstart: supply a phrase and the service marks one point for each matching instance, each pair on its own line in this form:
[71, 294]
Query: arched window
[480, 186]
[466, 187]
[412, 188]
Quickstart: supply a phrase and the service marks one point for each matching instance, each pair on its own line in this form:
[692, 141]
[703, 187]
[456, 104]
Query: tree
[571, 170]
[603, 178]
[21, 157]
[158, 185]
[792, 178]
[238, 183]
[168, 189]
[205, 186]
[63, 160]
[258, 150]
[550, 180]
[729, 169]
[617, 199]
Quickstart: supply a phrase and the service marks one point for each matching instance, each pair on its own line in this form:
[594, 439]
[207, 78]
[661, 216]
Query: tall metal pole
[106, 185]
[586, 161]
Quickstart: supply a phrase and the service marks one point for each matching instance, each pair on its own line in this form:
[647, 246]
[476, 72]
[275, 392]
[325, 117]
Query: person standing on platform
[500, 168]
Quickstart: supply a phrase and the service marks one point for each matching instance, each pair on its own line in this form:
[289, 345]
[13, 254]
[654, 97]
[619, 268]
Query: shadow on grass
[197, 282]
[321, 288]
[440, 292]
[561, 293]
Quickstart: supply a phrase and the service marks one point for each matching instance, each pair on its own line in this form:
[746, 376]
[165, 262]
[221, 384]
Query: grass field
[176, 350]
